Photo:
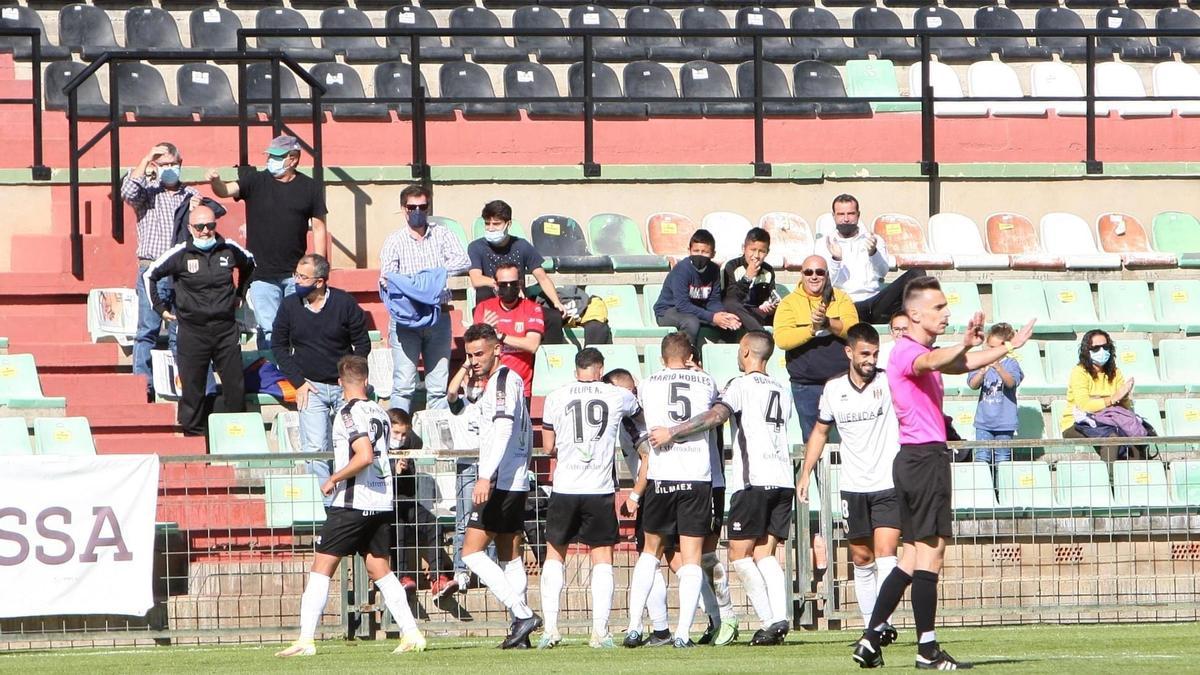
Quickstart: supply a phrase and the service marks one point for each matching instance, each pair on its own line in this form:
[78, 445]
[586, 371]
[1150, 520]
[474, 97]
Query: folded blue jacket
[414, 300]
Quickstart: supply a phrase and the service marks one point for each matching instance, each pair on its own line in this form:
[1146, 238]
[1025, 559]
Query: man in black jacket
[206, 299]
[314, 328]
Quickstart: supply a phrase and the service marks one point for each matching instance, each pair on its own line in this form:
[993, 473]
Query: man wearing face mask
[691, 293]
[280, 205]
[518, 321]
[858, 262]
[207, 296]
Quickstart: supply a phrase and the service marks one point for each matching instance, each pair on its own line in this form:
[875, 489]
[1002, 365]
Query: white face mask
[495, 236]
[275, 166]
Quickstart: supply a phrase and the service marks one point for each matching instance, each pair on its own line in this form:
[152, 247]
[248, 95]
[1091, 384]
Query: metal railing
[39, 170]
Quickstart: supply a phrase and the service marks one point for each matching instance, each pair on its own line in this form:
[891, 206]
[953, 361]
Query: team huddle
[894, 481]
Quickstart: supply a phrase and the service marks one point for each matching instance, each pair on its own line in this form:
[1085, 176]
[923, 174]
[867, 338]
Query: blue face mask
[275, 166]
[1100, 356]
[418, 220]
[204, 244]
[304, 291]
[169, 175]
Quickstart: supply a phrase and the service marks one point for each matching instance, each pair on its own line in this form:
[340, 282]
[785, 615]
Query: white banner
[77, 534]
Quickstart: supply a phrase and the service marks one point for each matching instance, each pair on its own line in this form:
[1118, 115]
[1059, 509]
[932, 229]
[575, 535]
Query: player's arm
[711, 419]
[363, 454]
[630, 507]
[548, 442]
[812, 454]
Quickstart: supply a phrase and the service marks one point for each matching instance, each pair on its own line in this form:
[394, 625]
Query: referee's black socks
[891, 591]
[924, 605]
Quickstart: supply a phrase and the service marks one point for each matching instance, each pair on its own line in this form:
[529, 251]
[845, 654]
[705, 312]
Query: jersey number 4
[774, 413]
[593, 414]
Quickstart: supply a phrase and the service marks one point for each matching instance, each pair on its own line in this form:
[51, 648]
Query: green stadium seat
[63, 436]
[284, 422]
[973, 490]
[1140, 483]
[1035, 382]
[1128, 303]
[1180, 362]
[963, 299]
[619, 238]
[616, 356]
[14, 437]
[19, 385]
[1178, 233]
[1135, 358]
[652, 359]
[650, 293]
[956, 385]
[876, 77]
[962, 416]
[1183, 418]
[1070, 302]
[1030, 425]
[1185, 476]
[1061, 357]
[1082, 484]
[1024, 485]
[1178, 302]
[1019, 300]
[721, 361]
[375, 336]
[454, 226]
[293, 500]
[625, 312]
[554, 366]
[239, 434]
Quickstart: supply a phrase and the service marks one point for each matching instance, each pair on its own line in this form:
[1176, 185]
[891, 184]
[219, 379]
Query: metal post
[590, 168]
[114, 154]
[929, 165]
[761, 167]
[39, 169]
[243, 117]
[318, 120]
[420, 160]
[1091, 164]
[276, 106]
[73, 143]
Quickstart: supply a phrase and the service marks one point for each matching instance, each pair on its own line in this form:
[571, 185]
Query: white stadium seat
[729, 229]
[958, 236]
[1055, 78]
[945, 83]
[987, 79]
[1069, 236]
[1120, 79]
[1176, 78]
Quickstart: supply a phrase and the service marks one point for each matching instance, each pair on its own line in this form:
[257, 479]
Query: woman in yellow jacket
[1096, 383]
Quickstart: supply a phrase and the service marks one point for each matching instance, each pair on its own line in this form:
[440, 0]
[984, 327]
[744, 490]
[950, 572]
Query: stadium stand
[342, 81]
[213, 28]
[63, 436]
[355, 49]
[298, 47]
[25, 17]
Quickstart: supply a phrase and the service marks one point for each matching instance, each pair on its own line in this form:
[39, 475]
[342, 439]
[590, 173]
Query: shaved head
[760, 343]
[201, 214]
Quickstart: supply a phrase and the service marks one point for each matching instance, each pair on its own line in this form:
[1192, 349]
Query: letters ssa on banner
[77, 535]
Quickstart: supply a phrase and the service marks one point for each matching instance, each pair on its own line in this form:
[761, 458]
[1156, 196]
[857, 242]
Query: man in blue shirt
[996, 413]
[691, 293]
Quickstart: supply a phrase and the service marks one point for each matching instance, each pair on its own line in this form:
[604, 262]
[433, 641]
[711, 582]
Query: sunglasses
[416, 207]
[508, 284]
[813, 272]
[200, 227]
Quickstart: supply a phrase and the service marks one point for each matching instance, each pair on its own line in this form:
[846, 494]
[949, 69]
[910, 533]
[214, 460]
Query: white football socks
[396, 601]
[755, 588]
[656, 604]
[776, 587]
[602, 596]
[497, 582]
[640, 585]
[552, 584]
[866, 585]
[312, 604]
[691, 577]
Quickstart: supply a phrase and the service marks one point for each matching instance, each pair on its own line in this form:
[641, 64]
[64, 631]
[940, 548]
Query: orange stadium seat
[905, 239]
[1013, 234]
[1124, 234]
[668, 233]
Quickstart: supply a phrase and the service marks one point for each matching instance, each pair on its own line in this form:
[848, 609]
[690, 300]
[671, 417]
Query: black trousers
[197, 347]
[879, 309]
[751, 320]
[417, 530]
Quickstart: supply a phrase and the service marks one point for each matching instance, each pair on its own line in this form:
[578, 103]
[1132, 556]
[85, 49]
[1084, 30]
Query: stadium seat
[756, 19]
[1062, 18]
[1016, 301]
[286, 425]
[661, 48]
[1055, 78]
[559, 237]
[958, 236]
[1135, 358]
[482, 48]
[112, 313]
[63, 436]
[1069, 236]
[1178, 302]
[86, 29]
[945, 84]
[1035, 382]
[876, 78]
[548, 48]
[357, 49]
[625, 312]
[1175, 78]
[205, 89]
[650, 293]
[947, 49]
[825, 227]
[1179, 233]
[463, 79]
[1180, 362]
[151, 28]
[299, 48]
[775, 85]
[19, 46]
[962, 299]
[1012, 234]
[293, 500]
[1128, 304]
[533, 80]
[652, 358]
[342, 81]
[554, 366]
[91, 103]
[1082, 485]
[1129, 47]
[609, 47]
[652, 80]
[1185, 476]
[618, 356]
[619, 238]
[1061, 357]
[238, 433]
[1114, 78]
[719, 49]
[817, 79]
[1025, 485]
[972, 484]
[1174, 17]
[14, 437]
[141, 91]
[1123, 234]
[729, 229]
[258, 87]
[668, 233]
[431, 47]
[987, 79]
[961, 413]
[791, 239]
[214, 28]
[705, 79]
[905, 239]
[1070, 302]
[1010, 48]
[720, 361]
[829, 49]
[394, 80]
[1183, 418]
[604, 85]
[893, 48]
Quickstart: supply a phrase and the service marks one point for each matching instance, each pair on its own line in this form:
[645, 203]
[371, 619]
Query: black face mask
[699, 262]
[508, 294]
[847, 230]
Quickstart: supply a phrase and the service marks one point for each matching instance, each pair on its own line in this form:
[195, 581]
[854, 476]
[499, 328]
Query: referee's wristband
[635, 497]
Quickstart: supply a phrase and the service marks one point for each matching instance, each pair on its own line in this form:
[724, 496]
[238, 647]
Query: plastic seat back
[1082, 484]
[1025, 485]
[791, 239]
[151, 28]
[214, 28]
[87, 27]
[669, 233]
[14, 437]
[63, 436]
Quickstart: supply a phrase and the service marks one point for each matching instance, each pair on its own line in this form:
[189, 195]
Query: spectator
[317, 326]
[499, 246]
[417, 528]
[691, 294]
[419, 248]
[518, 322]
[858, 261]
[749, 283]
[280, 204]
[898, 327]
[811, 326]
[205, 303]
[1095, 384]
[996, 412]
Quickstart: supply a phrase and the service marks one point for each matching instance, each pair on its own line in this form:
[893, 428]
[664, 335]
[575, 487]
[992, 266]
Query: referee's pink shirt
[916, 398]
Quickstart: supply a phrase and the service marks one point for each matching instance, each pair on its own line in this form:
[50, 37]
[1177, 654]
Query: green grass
[1154, 648]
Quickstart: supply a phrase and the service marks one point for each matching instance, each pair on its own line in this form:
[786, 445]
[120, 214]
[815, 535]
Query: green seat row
[19, 384]
[51, 436]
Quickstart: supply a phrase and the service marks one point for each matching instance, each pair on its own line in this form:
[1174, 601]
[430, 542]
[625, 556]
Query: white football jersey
[370, 489]
[670, 397]
[761, 408]
[870, 433]
[503, 456]
[586, 418]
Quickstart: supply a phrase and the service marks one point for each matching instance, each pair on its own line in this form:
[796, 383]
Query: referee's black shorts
[922, 477]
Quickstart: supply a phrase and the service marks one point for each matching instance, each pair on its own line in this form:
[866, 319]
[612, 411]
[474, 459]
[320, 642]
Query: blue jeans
[993, 455]
[807, 398]
[265, 297]
[150, 323]
[464, 486]
[315, 427]
[430, 345]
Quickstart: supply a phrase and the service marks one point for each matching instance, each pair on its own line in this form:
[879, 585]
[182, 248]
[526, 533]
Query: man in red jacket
[518, 321]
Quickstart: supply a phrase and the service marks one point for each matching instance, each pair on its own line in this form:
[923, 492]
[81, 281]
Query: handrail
[38, 170]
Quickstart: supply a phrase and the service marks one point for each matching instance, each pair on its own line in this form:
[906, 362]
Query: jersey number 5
[678, 396]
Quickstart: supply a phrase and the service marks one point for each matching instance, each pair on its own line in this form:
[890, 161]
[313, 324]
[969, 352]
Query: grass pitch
[1154, 648]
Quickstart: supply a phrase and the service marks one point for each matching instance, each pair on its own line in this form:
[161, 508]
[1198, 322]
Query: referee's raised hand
[1023, 335]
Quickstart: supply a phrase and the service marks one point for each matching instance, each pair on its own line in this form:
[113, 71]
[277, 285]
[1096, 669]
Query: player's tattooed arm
[714, 417]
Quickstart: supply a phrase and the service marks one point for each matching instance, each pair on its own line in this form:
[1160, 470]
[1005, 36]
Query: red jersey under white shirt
[519, 321]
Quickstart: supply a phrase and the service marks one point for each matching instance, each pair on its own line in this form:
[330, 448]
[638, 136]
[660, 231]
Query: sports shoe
[727, 633]
[633, 639]
[940, 661]
[868, 655]
[298, 648]
[680, 643]
[463, 579]
[764, 637]
[709, 633]
[601, 642]
[663, 640]
[779, 629]
[442, 586]
[549, 640]
[521, 629]
[888, 636]
[411, 642]
[409, 584]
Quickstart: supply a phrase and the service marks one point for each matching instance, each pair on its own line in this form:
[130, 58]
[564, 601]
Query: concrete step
[96, 388]
[68, 357]
[36, 323]
[160, 443]
[216, 514]
[193, 476]
[129, 418]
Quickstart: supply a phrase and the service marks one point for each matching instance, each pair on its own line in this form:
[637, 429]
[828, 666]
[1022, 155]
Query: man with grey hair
[315, 327]
[280, 205]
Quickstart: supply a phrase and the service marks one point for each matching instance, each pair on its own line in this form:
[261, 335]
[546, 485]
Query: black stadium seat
[752, 19]
[832, 49]
[86, 29]
[205, 89]
[529, 80]
[705, 79]
[141, 91]
[609, 47]
[720, 49]
[1129, 47]
[214, 28]
[995, 17]
[948, 49]
[469, 80]
[817, 79]
[484, 48]
[299, 48]
[91, 103]
[151, 28]
[549, 49]
[1091, 4]
[881, 18]
[1175, 18]
[645, 17]
[342, 81]
[604, 85]
[774, 85]
[19, 47]
[650, 79]
[1061, 18]
[431, 47]
[360, 49]
[394, 80]
[1150, 4]
[558, 236]
[258, 86]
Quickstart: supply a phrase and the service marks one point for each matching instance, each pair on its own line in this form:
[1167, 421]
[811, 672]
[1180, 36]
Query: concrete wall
[25, 212]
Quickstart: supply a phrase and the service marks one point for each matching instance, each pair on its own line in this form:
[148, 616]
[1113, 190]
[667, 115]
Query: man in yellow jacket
[811, 325]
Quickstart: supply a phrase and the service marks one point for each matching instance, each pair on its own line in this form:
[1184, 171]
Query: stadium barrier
[39, 170]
